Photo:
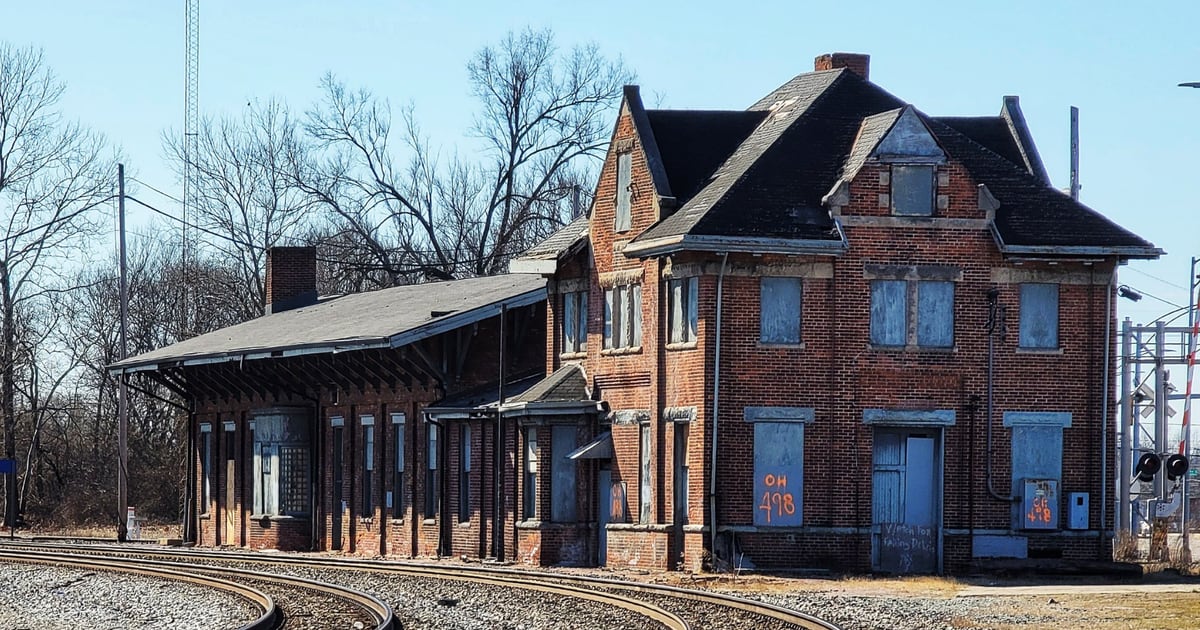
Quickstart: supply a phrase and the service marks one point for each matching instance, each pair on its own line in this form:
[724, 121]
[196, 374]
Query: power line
[1154, 277]
[167, 195]
[189, 225]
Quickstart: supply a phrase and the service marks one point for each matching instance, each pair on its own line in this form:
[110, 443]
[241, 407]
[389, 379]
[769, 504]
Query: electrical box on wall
[1077, 510]
[1039, 504]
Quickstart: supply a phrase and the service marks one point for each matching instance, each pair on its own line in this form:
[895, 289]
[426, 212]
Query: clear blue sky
[123, 64]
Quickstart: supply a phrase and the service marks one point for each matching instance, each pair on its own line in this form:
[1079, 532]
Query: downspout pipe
[1104, 454]
[995, 326]
[712, 481]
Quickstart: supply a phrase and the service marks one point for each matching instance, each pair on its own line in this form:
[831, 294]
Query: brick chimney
[291, 278]
[854, 62]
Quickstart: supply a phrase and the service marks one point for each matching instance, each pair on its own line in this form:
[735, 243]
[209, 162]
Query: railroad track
[306, 602]
[668, 607]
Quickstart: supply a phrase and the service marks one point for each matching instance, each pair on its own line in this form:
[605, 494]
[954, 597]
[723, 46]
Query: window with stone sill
[623, 317]
[682, 307]
[779, 310]
[623, 220]
[913, 190]
[912, 313]
[1039, 317]
[574, 322]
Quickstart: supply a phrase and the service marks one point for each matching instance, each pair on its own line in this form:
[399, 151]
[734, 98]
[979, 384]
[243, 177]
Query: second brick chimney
[291, 278]
[854, 62]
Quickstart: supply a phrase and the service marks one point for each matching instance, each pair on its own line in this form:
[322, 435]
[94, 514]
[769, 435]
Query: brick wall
[415, 532]
[838, 374]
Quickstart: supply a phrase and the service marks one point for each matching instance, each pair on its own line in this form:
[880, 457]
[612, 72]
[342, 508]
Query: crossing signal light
[1148, 465]
[1177, 466]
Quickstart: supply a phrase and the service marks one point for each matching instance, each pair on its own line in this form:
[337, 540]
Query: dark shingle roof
[784, 106]
[694, 143]
[991, 132]
[375, 319]
[1035, 216]
[820, 127]
[566, 384]
[559, 242]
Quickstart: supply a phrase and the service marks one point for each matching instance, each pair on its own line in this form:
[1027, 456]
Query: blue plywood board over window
[778, 473]
[889, 308]
[1039, 316]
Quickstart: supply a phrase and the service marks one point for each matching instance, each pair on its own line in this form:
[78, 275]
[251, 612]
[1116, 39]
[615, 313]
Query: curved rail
[269, 612]
[569, 585]
[379, 611]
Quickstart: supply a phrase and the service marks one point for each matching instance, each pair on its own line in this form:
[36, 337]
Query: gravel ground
[43, 597]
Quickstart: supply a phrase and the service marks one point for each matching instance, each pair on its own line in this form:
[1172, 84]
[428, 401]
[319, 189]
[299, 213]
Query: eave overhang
[436, 327]
[1119, 251]
[754, 245]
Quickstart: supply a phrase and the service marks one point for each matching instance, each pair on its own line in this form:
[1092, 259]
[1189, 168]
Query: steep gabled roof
[990, 132]
[767, 195]
[543, 258]
[693, 144]
[816, 132]
[1034, 218]
[387, 318]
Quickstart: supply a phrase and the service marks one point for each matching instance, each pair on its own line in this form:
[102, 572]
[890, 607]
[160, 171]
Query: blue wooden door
[905, 501]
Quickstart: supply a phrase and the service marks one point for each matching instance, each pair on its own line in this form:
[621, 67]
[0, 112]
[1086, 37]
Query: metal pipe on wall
[712, 482]
[995, 324]
[1124, 513]
[1104, 455]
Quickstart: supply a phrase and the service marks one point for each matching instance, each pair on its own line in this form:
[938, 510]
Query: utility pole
[122, 394]
[1075, 153]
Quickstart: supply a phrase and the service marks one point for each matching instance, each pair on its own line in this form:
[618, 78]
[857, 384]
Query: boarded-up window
[574, 321]
[623, 316]
[778, 473]
[368, 469]
[281, 464]
[912, 190]
[531, 470]
[1039, 316]
[644, 493]
[562, 475]
[682, 306]
[433, 480]
[935, 314]
[889, 312]
[464, 473]
[293, 486]
[779, 316]
[205, 467]
[398, 491]
[682, 472]
[624, 192]
[927, 304]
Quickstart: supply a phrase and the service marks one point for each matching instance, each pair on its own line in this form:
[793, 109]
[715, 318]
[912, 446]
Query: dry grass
[1127, 611]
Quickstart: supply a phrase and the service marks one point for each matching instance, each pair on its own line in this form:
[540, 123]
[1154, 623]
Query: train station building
[827, 331]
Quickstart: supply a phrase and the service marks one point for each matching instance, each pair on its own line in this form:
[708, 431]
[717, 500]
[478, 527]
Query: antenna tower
[191, 119]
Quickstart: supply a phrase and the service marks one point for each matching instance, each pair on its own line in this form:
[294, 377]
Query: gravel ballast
[44, 597]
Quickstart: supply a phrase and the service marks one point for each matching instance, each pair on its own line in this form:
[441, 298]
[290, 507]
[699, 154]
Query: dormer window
[913, 189]
[624, 218]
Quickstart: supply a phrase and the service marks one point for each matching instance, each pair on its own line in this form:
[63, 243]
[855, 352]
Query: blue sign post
[8, 466]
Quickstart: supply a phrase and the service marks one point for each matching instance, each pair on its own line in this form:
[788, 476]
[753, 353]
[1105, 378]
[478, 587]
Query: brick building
[900, 328]
[308, 426]
[826, 331]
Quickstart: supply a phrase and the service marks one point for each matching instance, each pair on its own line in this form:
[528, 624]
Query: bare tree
[542, 116]
[248, 202]
[53, 172]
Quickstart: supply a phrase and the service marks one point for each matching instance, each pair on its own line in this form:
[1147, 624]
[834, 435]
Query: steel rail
[380, 612]
[269, 612]
[529, 580]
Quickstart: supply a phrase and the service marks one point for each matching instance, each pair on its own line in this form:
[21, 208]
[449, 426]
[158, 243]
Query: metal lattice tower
[191, 121]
